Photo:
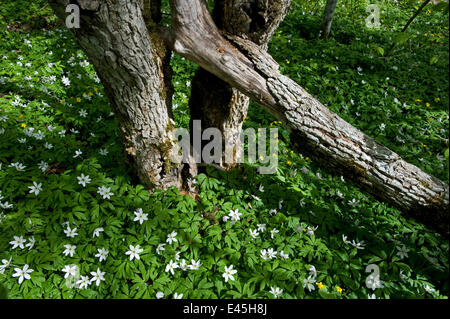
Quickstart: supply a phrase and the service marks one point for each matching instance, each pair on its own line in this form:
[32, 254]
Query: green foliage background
[401, 100]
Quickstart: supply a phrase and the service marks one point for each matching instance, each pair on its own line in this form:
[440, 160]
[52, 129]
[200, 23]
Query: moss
[166, 148]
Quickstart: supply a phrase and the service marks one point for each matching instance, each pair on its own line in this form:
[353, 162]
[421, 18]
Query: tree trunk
[135, 73]
[214, 101]
[315, 130]
[327, 19]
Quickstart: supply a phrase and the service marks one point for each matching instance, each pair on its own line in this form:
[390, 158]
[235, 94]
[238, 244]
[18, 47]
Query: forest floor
[72, 211]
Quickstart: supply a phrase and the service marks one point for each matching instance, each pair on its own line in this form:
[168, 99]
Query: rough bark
[134, 71]
[315, 130]
[327, 19]
[215, 102]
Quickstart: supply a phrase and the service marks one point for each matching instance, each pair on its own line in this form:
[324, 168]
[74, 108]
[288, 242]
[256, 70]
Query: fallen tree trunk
[315, 130]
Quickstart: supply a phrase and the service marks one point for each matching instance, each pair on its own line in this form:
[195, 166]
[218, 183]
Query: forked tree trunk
[135, 73]
[315, 130]
[327, 19]
[215, 102]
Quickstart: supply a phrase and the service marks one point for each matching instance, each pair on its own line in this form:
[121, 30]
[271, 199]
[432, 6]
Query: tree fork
[214, 101]
[316, 131]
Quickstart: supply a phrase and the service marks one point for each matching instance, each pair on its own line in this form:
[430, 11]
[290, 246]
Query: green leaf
[434, 59]
[401, 38]
[380, 50]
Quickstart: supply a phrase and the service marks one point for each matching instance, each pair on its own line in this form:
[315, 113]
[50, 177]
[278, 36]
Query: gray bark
[214, 101]
[327, 19]
[134, 70]
[315, 130]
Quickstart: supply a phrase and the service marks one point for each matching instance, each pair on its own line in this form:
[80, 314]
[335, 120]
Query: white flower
[261, 227]
[83, 283]
[374, 282]
[18, 166]
[310, 230]
[177, 256]
[134, 252]
[97, 232]
[18, 242]
[229, 272]
[276, 292]
[382, 127]
[344, 239]
[65, 81]
[171, 266]
[429, 289]
[271, 253]
[312, 271]
[105, 192]
[372, 296]
[309, 283]
[83, 113]
[261, 188]
[5, 264]
[23, 273]
[159, 295]
[31, 242]
[402, 251]
[183, 265]
[254, 233]
[160, 248]
[83, 180]
[235, 215]
[35, 188]
[283, 255]
[70, 270]
[225, 218]
[273, 212]
[97, 276]
[273, 232]
[177, 296]
[264, 254]
[71, 232]
[70, 250]
[77, 153]
[358, 244]
[195, 265]
[353, 202]
[43, 166]
[6, 205]
[171, 237]
[140, 216]
[102, 254]
[103, 152]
